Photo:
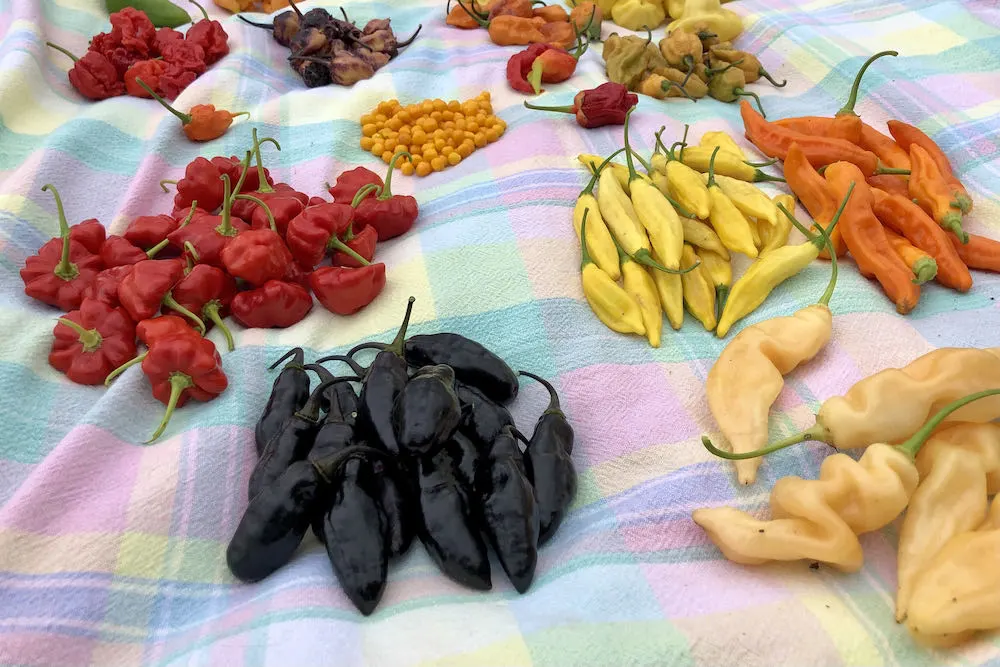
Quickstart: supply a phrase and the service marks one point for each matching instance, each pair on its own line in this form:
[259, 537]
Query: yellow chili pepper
[821, 519]
[671, 290]
[726, 219]
[748, 199]
[619, 214]
[640, 286]
[612, 305]
[726, 164]
[776, 236]
[955, 468]
[620, 171]
[721, 273]
[699, 234]
[699, 294]
[769, 271]
[725, 142]
[684, 183]
[601, 245]
[638, 14]
[755, 226]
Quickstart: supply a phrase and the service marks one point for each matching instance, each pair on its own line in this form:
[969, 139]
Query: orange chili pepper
[522, 8]
[203, 122]
[866, 239]
[458, 17]
[895, 185]
[560, 33]
[508, 30]
[928, 187]
[898, 213]
[979, 253]
[587, 17]
[906, 135]
[922, 265]
[888, 151]
[551, 13]
[815, 194]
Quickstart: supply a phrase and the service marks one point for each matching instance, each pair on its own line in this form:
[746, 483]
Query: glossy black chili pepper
[337, 392]
[551, 467]
[510, 514]
[482, 418]
[449, 527]
[473, 364]
[274, 523]
[292, 443]
[467, 456]
[427, 411]
[288, 394]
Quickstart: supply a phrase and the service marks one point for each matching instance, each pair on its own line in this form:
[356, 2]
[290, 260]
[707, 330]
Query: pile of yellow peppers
[936, 456]
[707, 16]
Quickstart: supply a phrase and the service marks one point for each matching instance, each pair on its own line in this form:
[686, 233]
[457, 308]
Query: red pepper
[93, 75]
[92, 341]
[202, 182]
[316, 201]
[349, 182]
[210, 36]
[345, 291]
[605, 105]
[315, 230]
[519, 66]
[210, 233]
[149, 71]
[104, 288]
[62, 269]
[541, 63]
[297, 274]
[151, 331]
[90, 234]
[117, 251]
[268, 192]
[164, 36]
[283, 208]
[203, 122]
[180, 368]
[122, 60]
[234, 168]
[185, 55]
[391, 215]
[208, 291]
[133, 30]
[257, 256]
[276, 304]
[148, 230]
[174, 79]
[363, 244]
[148, 286]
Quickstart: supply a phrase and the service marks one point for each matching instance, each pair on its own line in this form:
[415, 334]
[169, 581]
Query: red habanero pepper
[315, 230]
[148, 230]
[150, 71]
[345, 291]
[62, 269]
[151, 332]
[391, 215]
[204, 122]
[281, 207]
[202, 182]
[297, 274]
[316, 201]
[210, 36]
[907, 135]
[184, 55]
[234, 167]
[541, 63]
[209, 291]
[148, 286]
[117, 251]
[605, 105]
[180, 368]
[349, 182]
[92, 341]
[133, 30]
[93, 75]
[362, 243]
[519, 66]
[164, 36]
[210, 233]
[268, 191]
[277, 304]
[258, 255]
[104, 288]
[89, 233]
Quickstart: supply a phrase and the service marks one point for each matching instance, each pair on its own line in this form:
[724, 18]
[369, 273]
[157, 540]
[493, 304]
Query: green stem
[89, 338]
[152, 252]
[203, 12]
[386, 188]
[924, 270]
[553, 408]
[597, 173]
[360, 195]
[767, 75]
[262, 185]
[761, 177]
[632, 174]
[828, 294]
[563, 109]
[124, 367]
[711, 168]
[164, 187]
[211, 311]
[187, 220]
[244, 170]
[178, 383]
[913, 444]
[642, 256]
[225, 227]
[584, 253]
[267, 210]
[477, 19]
[336, 244]
[65, 269]
[190, 257]
[747, 93]
[817, 432]
[62, 50]
[768, 163]
[396, 346]
[848, 109]
[184, 118]
[879, 170]
[170, 302]
[721, 296]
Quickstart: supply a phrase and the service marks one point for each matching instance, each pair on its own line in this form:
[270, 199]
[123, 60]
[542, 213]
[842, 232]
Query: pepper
[426, 412]
[391, 215]
[202, 182]
[349, 182]
[131, 28]
[257, 255]
[174, 79]
[612, 304]
[620, 171]
[539, 63]
[748, 199]
[510, 513]
[889, 184]
[522, 8]
[957, 469]
[639, 285]
[752, 68]
[683, 183]
[821, 519]
[904, 217]
[147, 286]
[908, 136]
[930, 190]
[922, 265]
[607, 104]
[728, 85]
[210, 234]
[726, 219]
[163, 327]
[314, 231]
[345, 291]
[184, 57]
[158, 13]
[93, 75]
[866, 240]
[448, 527]
[147, 231]
[779, 265]
[708, 16]
[550, 466]
[117, 251]
[510, 30]
[289, 394]
[979, 253]
[148, 70]
[587, 18]
[720, 271]
[638, 14]
[699, 234]
[628, 59]
[473, 364]
[63, 268]
[815, 194]
[460, 17]
[180, 368]
[210, 36]
[560, 34]
[203, 122]
[888, 151]
[207, 291]
[551, 13]
[274, 304]
[104, 287]
[726, 164]
[699, 290]
[482, 418]
[682, 50]
[670, 289]
[92, 341]
[601, 245]
[468, 461]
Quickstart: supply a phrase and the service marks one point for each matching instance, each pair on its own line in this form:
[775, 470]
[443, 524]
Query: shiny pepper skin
[427, 410]
[472, 363]
[275, 304]
[257, 256]
[289, 393]
[363, 244]
[482, 418]
[104, 288]
[345, 291]
[92, 341]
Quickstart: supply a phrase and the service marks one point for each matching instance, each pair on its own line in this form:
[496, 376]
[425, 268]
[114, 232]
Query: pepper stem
[817, 432]
[62, 50]
[170, 302]
[563, 109]
[164, 187]
[152, 252]
[386, 192]
[848, 109]
[828, 294]
[913, 444]
[203, 12]
[65, 269]
[747, 93]
[184, 118]
[89, 338]
[291, 3]
[265, 207]
[767, 75]
[298, 358]
[190, 215]
[584, 253]
[632, 174]
[711, 168]
[766, 163]
[336, 244]
[211, 311]
[644, 257]
[178, 383]
[924, 270]
[597, 172]
[124, 367]
[396, 346]
[355, 366]
[262, 185]
[473, 16]
[244, 169]
[554, 407]
[879, 170]
[225, 227]
[360, 195]
[409, 40]
[761, 177]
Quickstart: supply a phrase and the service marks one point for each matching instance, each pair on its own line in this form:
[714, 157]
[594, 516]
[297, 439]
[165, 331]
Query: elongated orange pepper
[907, 135]
[891, 184]
[922, 265]
[930, 190]
[889, 152]
[551, 13]
[866, 240]
[559, 33]
[510, 30]
[979, 253]
[815, 194]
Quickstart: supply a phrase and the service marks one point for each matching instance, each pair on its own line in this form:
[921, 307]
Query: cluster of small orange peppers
[437, 134]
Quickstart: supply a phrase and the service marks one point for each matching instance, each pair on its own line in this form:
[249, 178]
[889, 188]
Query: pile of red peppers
[236, 243]
[167, 60]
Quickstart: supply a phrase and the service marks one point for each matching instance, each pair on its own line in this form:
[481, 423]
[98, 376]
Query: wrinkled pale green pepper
[627, 59]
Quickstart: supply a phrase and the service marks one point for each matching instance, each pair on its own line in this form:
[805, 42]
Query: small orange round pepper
[203, 122]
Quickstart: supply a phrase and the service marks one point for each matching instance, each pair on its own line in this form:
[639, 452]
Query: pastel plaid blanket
[112, 553]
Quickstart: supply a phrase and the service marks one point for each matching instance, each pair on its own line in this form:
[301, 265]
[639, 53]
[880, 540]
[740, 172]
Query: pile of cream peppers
[688, 15]
[930, 449]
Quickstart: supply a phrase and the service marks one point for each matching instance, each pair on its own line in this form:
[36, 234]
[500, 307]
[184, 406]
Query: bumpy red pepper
[297, 274]
[132, 29]
[174, 79]
[62, 269]
[117, 251]
[93, 75]
[605, 105]
[164, 36]
[180, 368]
[210, 36]
[527, 70]
[104, 288]
[204, 122]
[233, 167]
[208, 291]
[269, 193]
[151, 331]
[345, 291]
[363, 244]
[92, 341]
[149, 71]
[148, 230]
[185, 55]
[209, 234]
[391, 215]
[202, 182]
[277, 304]
[148, 286]
[349, 182]
[89, 233]
[257, 255]
[315, 230]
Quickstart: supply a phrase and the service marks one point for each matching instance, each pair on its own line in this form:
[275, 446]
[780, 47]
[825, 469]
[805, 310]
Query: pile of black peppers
[427, 449]
[328, 50]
